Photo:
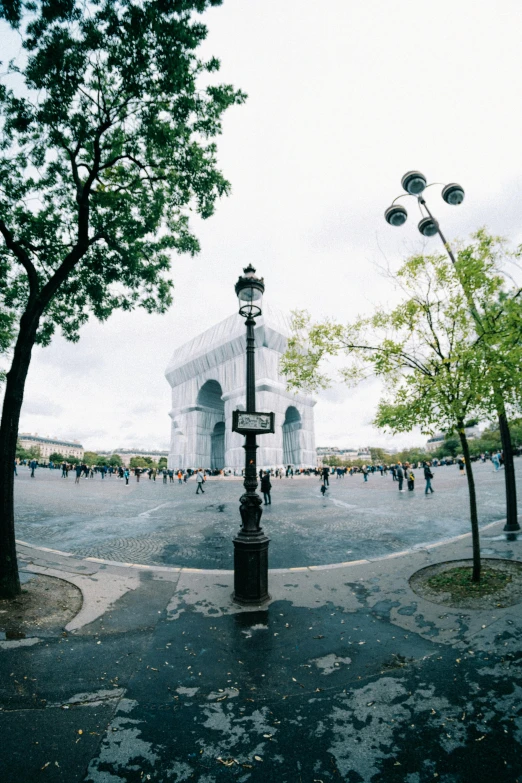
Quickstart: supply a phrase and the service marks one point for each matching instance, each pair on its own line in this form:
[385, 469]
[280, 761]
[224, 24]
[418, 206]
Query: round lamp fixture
[249, 291]
[453, 194]
[396, 215]
[428, 227]
[413, 182]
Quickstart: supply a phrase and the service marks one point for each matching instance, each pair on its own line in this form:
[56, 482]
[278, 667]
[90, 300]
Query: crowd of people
[401, 472]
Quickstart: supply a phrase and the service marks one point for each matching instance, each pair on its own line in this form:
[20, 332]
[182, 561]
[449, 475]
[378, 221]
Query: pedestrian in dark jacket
[428, 475]
[266, 486]
[400, 476]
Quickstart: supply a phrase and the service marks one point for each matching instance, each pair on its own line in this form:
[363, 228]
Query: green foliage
[115, 461]
[21, 453]
[445, 361]
[90, 458]
[163, 462]
[449, 448]
[412, 455]
[380, 456]
[56, 457]
[138, 462]
[105, 148]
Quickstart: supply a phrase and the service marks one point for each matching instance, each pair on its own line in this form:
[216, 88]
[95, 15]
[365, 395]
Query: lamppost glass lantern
[428, 227]
[453, 194]
[413, 182]
[396, 215]
[249, 290]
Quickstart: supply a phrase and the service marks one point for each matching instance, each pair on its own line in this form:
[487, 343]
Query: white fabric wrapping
[207, 376]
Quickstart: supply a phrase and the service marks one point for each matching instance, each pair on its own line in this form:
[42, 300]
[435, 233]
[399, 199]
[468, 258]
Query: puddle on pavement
[11, 633]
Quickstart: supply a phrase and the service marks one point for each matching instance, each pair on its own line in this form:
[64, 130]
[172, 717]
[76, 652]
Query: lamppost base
[511, 528]
[251, 569]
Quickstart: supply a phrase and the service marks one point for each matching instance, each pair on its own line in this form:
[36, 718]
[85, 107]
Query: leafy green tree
[91, 457]
[56, 457]
[427, 351]
[450, 448]
[115, 461]
[21, 453]
[106, 145]
[163, 462]
[412, 455]
[138, 462]
[380, 456]
[484, 270]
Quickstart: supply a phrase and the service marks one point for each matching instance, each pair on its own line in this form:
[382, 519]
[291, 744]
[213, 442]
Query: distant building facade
[436, 441]
[128, 454]
[347, 455]
[50, 446]
[208, 378]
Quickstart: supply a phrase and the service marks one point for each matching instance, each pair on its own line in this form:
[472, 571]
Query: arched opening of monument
[210, 396]
[217, 448]
[211, 426]
[291, 442]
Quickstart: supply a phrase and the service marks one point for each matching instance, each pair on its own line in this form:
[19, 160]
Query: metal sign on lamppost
[251, 544]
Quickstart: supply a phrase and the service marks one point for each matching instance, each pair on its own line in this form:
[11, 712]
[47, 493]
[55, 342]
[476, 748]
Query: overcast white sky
[344, 97]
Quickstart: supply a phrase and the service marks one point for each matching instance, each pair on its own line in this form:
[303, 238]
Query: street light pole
[250, 544]
[414, 183]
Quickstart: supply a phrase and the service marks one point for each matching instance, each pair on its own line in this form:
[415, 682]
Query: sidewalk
[346, 675]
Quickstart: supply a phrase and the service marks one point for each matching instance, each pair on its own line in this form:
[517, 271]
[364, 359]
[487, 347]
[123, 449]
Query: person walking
[180, 477]
[428, 475]
[266, 486]
[200, 478]
[365, 472]
[126, 475]
[325, 473]
[78, 470]
[32, 465]
[400, 475]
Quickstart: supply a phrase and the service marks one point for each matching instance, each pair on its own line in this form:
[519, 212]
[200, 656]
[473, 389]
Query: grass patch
[457, 582]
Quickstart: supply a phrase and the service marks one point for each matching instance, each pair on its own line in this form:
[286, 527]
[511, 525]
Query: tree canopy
[449, 351]
[107, 144]
[102, 154]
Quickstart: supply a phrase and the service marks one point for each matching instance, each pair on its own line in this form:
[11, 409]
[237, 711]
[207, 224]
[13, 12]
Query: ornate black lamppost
[251, 544]
[415, 183]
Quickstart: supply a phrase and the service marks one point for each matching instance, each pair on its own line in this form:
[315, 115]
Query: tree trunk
[14, 395]
[509, 472]
[472, 504]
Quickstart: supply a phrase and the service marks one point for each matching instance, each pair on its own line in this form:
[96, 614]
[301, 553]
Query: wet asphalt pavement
[152, 523]
[347, 675]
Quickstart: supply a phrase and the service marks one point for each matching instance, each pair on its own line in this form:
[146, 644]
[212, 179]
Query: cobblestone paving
[152, 523]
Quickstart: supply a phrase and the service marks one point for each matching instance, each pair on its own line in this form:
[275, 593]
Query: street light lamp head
[428, 227]
[453, 194]
[249, 291]
[413, 182]
[396, 215]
